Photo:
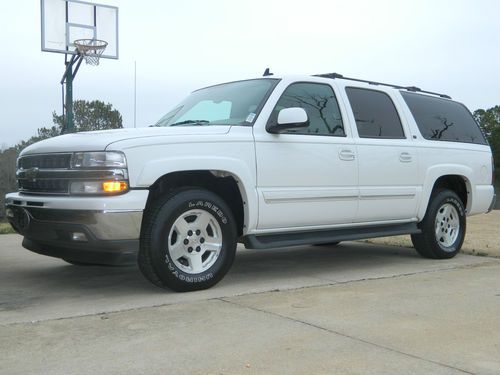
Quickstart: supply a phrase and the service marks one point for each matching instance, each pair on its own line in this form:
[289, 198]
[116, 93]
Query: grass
[5, 228]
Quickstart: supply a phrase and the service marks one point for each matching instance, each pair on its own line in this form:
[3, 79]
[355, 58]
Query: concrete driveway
[354, 308]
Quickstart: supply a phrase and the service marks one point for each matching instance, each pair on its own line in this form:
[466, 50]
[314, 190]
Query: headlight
[113, 159]
[98, 187]
[101, 172]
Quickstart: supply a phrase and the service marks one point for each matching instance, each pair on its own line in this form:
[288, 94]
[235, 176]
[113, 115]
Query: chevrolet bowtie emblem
[31, 174]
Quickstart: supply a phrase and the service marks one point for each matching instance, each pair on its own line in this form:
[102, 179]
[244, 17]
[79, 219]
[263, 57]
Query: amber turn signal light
[114, 186]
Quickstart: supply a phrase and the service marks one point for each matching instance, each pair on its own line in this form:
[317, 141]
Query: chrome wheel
[447, 226]
[195, 241]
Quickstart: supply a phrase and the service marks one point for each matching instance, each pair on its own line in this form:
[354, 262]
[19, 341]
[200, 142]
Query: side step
[285, 239]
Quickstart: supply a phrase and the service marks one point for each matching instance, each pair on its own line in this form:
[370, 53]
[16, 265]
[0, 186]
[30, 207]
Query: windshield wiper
[190, 122]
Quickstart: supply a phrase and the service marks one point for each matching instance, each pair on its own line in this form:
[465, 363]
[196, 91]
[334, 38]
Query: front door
[308, 177]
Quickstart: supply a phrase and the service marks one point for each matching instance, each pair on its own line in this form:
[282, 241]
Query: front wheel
[443, 227]
[188, 241]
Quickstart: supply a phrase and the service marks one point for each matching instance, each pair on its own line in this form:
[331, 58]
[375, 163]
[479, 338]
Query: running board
[285, 239]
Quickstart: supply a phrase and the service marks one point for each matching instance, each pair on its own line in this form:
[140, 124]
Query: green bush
[5, 228]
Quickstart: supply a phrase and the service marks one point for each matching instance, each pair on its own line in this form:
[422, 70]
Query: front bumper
[61, 227]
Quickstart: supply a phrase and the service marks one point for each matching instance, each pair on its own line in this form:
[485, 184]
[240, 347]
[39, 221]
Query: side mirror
[290, 118]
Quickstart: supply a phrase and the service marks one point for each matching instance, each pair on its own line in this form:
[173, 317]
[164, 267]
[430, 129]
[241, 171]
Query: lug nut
[202, 240]
[198, 249]
[198, 232]
[186, 241]
[190, 232]
[190, 249]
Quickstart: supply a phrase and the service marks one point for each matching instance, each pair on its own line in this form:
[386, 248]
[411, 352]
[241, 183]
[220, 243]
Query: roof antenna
[267, 73]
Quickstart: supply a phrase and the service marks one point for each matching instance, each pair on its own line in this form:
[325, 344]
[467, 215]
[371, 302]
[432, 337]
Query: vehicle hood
[99, 140]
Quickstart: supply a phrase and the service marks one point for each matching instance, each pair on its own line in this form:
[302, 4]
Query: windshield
[235, 103]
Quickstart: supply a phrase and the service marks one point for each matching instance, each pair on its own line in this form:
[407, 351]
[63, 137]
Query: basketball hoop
[90, 49]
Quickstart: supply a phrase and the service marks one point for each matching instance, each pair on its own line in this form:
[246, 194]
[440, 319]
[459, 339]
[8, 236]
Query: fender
[239, 170]
[436, 171]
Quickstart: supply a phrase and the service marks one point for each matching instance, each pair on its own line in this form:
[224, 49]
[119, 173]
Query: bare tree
[438, 133]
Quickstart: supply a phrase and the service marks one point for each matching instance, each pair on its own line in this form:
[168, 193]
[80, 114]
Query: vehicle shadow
[34, 287]
[304, 261]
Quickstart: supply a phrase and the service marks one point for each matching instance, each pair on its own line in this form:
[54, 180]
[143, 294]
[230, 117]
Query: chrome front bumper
[103, 225]
[91, 229]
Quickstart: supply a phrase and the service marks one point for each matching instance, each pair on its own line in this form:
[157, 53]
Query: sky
[451, 47]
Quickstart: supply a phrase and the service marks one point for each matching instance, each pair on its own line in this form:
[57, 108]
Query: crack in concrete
[315, 326]
[451, 268]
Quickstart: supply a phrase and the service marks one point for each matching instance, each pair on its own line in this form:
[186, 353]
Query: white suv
[269, 162]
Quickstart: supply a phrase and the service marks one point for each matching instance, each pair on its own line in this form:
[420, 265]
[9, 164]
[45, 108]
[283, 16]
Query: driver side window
[320, 104]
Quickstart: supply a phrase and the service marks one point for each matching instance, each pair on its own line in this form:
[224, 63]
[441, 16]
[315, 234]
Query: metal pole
[70, 128]
[67, 83]
[135, 94]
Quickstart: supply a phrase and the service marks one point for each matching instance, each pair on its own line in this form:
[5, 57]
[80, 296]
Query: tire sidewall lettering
[159, 266]
[206, 276]
[460, 209]
[185, 277]
[210, 207]
[457, 205]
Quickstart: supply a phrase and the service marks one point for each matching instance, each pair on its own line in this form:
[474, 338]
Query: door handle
[405, 157]
[346, 154]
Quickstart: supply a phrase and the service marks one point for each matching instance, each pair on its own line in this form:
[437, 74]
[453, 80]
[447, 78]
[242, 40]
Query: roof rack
[408, 88]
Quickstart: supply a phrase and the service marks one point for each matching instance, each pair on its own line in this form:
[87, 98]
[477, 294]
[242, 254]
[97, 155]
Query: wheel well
[221, 183]
[455, 183]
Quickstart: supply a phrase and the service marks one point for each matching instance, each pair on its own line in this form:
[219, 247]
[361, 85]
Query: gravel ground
[482, 238]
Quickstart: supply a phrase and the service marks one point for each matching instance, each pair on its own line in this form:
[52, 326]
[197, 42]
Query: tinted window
[319, 102]
[375, 114]
[443, 120]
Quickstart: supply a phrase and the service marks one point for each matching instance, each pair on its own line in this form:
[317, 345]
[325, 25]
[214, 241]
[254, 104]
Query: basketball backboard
[64, 21]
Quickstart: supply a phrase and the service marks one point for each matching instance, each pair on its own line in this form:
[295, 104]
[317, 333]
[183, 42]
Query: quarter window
[375, 114]
[443, 120]
[320, 103]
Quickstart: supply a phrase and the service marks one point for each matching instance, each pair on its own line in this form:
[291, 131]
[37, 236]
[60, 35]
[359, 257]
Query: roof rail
[408, 88]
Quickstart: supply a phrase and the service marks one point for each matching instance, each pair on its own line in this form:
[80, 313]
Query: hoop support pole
[67, 82]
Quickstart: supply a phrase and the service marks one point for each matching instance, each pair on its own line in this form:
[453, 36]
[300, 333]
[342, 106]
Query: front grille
[48, 161]
[32, 170]
[44, 186]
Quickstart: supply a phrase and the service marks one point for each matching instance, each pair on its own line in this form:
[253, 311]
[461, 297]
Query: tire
[443, 227]
[188, 240]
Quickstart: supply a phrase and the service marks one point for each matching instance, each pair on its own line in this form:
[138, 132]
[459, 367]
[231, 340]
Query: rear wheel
[443, 227]
[188, 242]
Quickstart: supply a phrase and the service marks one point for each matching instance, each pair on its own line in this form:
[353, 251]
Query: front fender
[237, 168]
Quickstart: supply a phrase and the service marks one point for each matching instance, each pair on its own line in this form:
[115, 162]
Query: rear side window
[375, 114]
[443, 120]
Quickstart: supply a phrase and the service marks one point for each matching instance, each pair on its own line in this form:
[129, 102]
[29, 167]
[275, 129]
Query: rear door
[388, 167]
